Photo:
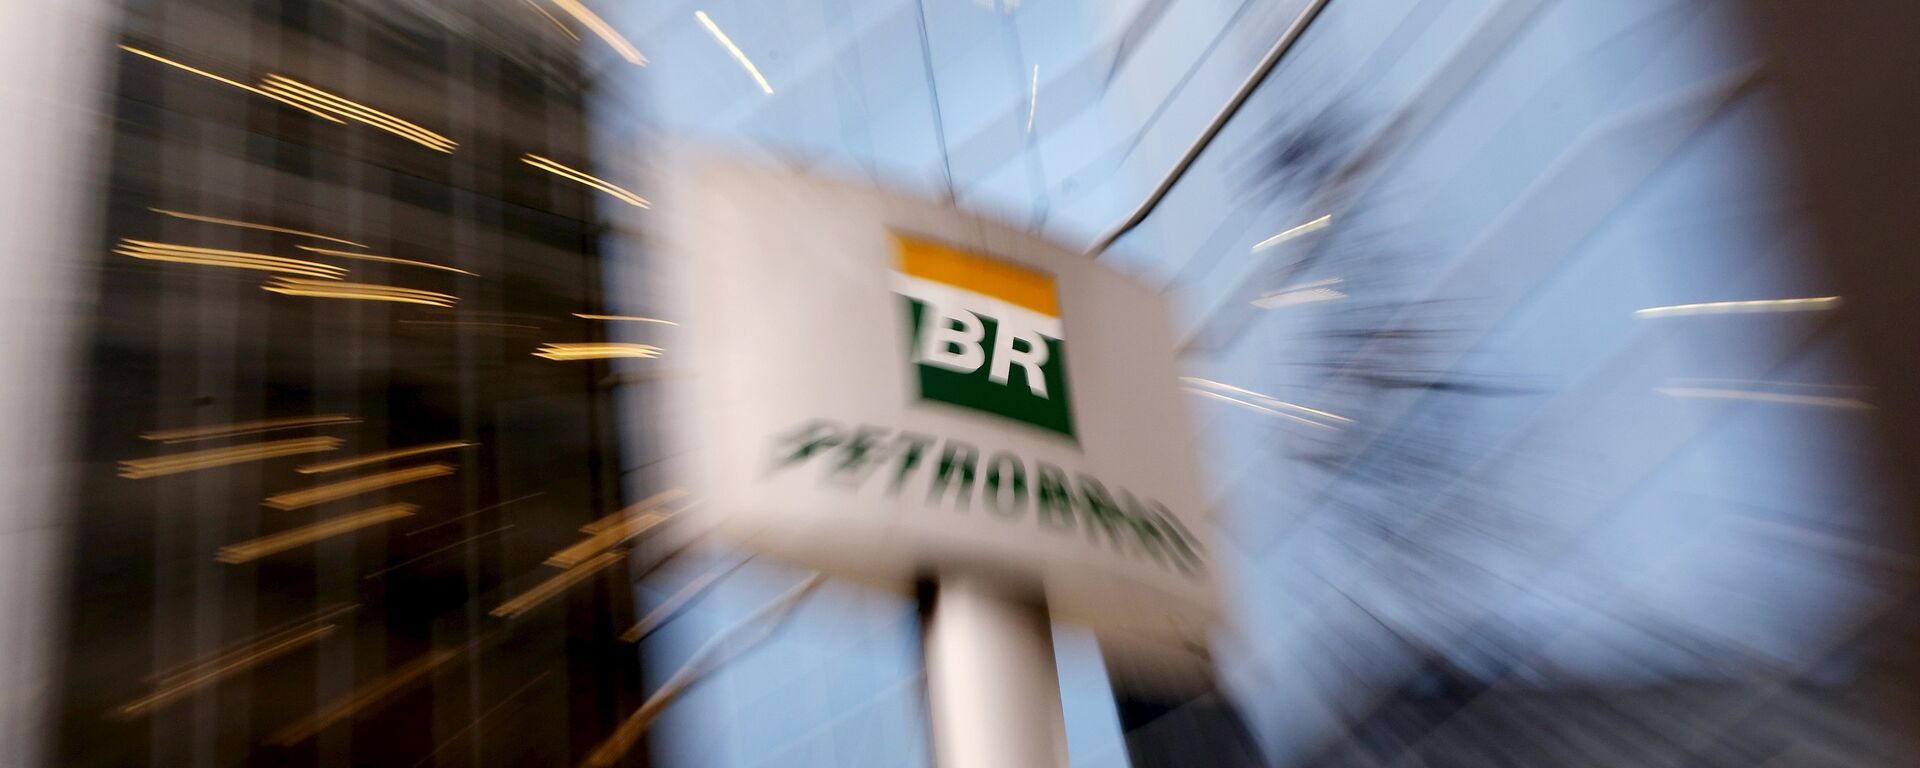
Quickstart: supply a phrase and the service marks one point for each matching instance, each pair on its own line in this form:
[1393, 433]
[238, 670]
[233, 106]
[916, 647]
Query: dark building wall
[1844, 75]
[405, 664]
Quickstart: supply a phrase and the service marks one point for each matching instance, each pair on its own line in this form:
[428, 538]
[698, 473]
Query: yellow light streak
[1812, 304]
[1267, 399]
[387, 259]
[554, 167]
[365, 697]
[375, 289]
[605, 539]
[358, 292]
[366, 119]
[600, 27]
[150, 247]
[189, 434]
[384, 456]
[183, 671]
[545, 590]
[307, 534]
[324, 493]
[189, 68]
[625, 318]
[340, 105]
[251, 225]
[572, 174]
[598, 351]
[234, 83]
[635, 508]
[173, 464]
[1766, 397]
[213, 257]
[245, 658]
[556, 21]
[603, 185]
[1289, 234]
[224, 262]
[394, 126]
[738, 55]
[233, 260]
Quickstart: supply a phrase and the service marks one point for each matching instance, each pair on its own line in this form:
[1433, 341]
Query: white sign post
[887, 390]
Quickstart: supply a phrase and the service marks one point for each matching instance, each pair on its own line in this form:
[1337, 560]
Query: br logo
[985, 333]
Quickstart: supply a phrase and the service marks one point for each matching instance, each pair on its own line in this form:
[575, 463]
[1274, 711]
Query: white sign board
[884, 389]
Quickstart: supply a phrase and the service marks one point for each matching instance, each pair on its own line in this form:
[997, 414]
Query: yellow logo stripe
[1010, 283]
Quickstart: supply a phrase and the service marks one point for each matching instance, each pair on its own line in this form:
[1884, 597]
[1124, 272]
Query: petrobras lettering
[962, 478]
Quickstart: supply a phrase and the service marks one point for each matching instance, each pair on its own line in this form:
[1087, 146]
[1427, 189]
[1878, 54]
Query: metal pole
[1247, 87]
[993, 694]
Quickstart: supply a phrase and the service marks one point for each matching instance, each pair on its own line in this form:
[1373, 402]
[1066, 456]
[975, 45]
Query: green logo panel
[1014, 399]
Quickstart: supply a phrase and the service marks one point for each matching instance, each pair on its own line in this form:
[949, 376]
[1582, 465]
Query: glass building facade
[1471, 478]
